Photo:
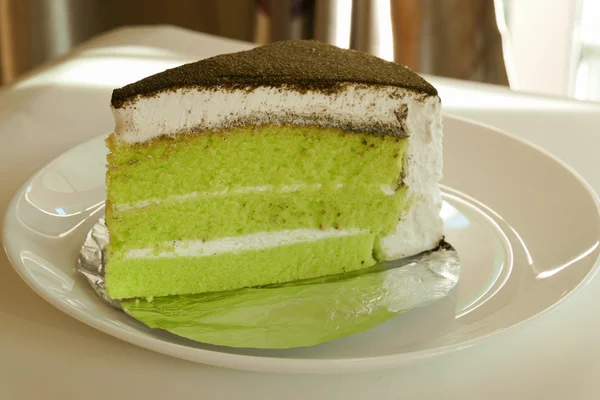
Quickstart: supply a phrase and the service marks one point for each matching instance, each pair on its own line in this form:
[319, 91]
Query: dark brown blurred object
[329, 25]
[284, 20]
[35, 31]
[11, 38]
[363, 34]
[451, 38]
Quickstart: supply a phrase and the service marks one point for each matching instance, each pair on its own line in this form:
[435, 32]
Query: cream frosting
[255, 241]
[421, 227]
[183, 110]
[386, 189]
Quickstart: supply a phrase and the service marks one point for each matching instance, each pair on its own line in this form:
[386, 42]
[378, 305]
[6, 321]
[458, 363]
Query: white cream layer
[255, 241]
[178, 111]
[184, 110]
[387, 190]
[421, 227]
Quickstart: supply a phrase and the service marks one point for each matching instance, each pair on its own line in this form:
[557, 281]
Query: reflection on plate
[525, 226]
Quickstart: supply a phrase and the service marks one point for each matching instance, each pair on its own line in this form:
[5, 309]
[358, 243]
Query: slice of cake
[289, 161]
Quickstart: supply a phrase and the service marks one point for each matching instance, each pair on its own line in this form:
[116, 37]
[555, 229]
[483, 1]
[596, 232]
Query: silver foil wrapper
[343, 304]
[433, 273]
[90, 262]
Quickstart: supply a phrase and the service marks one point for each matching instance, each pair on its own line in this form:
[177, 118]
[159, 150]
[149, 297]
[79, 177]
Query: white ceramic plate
[526, 227]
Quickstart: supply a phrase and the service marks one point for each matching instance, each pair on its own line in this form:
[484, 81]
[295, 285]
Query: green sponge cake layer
[168, 195]
[159, 276]
[250, 157]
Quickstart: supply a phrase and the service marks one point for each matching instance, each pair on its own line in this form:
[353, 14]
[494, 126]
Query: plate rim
[290, 365]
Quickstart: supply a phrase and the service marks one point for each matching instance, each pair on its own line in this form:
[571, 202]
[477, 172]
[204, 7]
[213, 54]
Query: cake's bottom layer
[163, 275]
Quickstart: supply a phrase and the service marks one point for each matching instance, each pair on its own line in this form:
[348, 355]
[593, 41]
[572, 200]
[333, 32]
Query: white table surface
[46, 354]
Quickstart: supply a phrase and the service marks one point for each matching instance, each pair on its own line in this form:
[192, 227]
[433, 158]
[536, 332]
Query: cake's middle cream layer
[255, 241]
[208, 218]
[385, 189]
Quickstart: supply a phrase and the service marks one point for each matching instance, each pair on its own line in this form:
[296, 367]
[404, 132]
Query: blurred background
[542, 46]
